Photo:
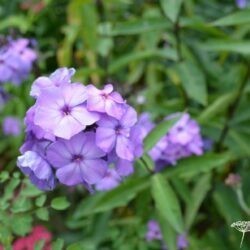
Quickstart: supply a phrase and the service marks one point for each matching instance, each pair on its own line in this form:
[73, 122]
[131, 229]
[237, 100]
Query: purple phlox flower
[183, 140]
[241, 4]
[62, 112]
[36, 145]
[77, 160]
[16, 59]
[136, 138]
[60, 77]
[184, 130]
[38, 170]
[110, 180]
[31, 127]
[27, 54]
[122, 167]
[157, 151]
[113, 133]
[182, 242]
[145, 123]
[105, 101]
[154, 231]
[12, 126]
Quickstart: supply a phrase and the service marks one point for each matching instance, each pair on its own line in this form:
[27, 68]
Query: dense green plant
[164, 56]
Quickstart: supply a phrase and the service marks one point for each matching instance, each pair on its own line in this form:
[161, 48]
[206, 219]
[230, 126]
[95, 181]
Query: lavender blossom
[182, 242]
[110, 180]
[38, 170]
[16, 59]
[154, 233]
[181, 141]
[113, 133]
[61, 111]
[105, 101]
[77, 160]
[59, 78]
[87, 136]
[11, 126]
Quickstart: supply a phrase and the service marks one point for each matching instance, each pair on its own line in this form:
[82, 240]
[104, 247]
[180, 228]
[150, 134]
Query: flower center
[66, 110]
[180, 129]
[77, 158]
[104, 96]
[118, 130]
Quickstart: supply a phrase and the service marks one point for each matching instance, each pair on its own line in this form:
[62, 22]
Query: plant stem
[242, 238]
[147, 166]
[231, 111]
[241, 200]
[178, 39]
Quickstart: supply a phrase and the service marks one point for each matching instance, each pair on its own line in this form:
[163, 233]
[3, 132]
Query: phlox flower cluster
[16, 59]
[39, 233]
[78, 134]
[154, 233]
[182, 140]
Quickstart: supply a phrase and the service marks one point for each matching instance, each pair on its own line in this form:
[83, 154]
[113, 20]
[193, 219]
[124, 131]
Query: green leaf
[42, 214]
[83, 14]
[168, 233]
[19, 21]
[117, 197]
[21, 224]
[84, 245]
[4, 176]
[200, 190]
[189, 167]
[58, 244]
[218, 106]
[133, 27]
[226, 204]
[240, 17]
[60, 203]
[30, 190]
[141, 55]
[40, 200]
[158, 132]
[193, 81]
[240, 142]
[39, 245]
[21, 204]
[166, 202]
[10, 187]
[171, 8]
[182, 189]
[242, 47]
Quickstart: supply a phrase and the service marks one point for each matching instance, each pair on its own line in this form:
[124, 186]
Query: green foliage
[167, 203]
[175, 55]
[60, 203]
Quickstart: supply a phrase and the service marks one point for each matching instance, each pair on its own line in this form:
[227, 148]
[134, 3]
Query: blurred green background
[164, 56]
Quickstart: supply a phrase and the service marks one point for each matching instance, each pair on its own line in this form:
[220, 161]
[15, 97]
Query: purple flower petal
[93, 170]
[105, 138]
[70, 175]
[124, 148]
[109, 181]
[124, 167]
[37, 169]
